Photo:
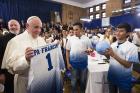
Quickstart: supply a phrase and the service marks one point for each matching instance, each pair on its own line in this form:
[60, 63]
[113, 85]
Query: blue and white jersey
[118, 74]
[77, 47]
[46, 65]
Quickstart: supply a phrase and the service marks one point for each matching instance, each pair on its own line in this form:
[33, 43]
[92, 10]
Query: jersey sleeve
[132, 55]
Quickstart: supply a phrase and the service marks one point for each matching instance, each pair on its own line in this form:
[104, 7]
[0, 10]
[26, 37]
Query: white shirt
[117, 73]
[76, 43]
[77, 47]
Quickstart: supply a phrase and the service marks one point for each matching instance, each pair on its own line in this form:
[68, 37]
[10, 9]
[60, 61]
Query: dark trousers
[9, 83]
[115, 89]
[139, 55]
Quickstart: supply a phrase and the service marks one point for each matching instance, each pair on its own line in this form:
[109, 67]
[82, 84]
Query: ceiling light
[85, 19]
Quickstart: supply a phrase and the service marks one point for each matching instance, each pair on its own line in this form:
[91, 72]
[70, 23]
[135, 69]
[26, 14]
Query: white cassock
[14, 59]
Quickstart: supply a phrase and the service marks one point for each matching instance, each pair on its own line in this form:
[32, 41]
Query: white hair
[32, 17]
[12, 21]
[15, 22]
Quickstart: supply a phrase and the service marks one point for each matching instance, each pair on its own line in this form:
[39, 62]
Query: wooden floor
[67, 86]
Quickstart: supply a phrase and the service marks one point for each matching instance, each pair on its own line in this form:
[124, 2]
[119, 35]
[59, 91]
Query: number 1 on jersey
[48, 57]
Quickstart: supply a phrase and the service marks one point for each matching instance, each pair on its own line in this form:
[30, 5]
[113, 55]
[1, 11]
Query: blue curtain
[87, 25]
[96, 23]
[137, 21]
[93, 24]
[132, 19]
[128, 18]
[22, 9]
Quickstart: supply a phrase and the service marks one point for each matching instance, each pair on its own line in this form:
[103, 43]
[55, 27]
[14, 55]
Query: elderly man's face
[35, 27]
[14, 26]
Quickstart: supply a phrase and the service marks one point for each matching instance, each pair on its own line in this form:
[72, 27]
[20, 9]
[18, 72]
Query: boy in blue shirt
[77, 59]
[122, 55]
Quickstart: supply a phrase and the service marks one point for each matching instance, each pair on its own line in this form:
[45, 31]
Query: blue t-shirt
[118, 74]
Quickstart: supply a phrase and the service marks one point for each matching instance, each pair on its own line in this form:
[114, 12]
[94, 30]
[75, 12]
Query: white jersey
[118, 74]
[46, 65]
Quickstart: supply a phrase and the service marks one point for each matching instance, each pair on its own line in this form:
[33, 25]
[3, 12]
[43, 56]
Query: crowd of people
[19, 40]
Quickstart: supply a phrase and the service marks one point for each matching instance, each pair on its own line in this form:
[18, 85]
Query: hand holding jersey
[29, 54]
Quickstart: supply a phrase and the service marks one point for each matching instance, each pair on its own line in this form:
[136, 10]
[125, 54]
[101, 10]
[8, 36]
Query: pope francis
[19, 51]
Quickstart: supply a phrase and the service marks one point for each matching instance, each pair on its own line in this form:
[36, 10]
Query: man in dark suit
[14, 29]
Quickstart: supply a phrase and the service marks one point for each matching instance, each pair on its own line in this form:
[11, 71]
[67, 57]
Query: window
[127, 1]
[103, 6]
[91, 9]
[97, 8]
[91, 16]
[103, 14]
[97, 16]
